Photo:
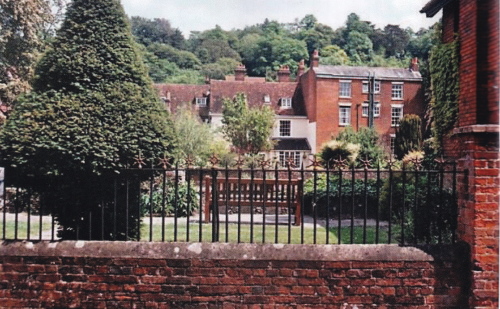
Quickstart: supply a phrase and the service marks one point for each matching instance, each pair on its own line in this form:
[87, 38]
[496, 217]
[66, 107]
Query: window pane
[396, 115]
[286, 102]
[285, 128]
[344, 115]
[397, 91]
[345, 89]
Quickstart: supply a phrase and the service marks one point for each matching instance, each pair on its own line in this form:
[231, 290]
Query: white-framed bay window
[290, 156]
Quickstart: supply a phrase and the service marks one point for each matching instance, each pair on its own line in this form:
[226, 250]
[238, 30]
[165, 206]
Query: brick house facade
[474, 143]
[338, 96]
[314, 108]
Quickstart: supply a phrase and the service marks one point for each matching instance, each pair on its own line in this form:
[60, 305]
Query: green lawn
[22, 230]
[285, 234]
[293, 236]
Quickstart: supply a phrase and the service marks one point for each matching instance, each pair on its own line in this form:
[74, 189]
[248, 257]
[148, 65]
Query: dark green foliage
[158, 30]
[361, 193]
[184, 196]
[265, 47]
[183, 59]
[445, 88]
[408, 136]
[420, 200]
[248, 129]
[368, 140]
[92, 112]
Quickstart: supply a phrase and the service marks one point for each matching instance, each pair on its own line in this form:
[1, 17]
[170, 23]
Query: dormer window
[201, 101]
[267, 99]
[286, 102]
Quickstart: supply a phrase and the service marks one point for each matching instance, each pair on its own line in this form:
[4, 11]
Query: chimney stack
[315, 59]
[239, 72]
[284, 74]
[301, 68]
[414, 65]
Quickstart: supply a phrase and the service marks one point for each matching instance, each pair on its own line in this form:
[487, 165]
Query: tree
[195, 138]
[183, 59]
[158, 30]
[248, 129]
[271, 52]
[219, 70]
[92, 112]
[408, 136]
[333, 55]
[24, 26]
[368, 140]
[359, 47]
[396, 41]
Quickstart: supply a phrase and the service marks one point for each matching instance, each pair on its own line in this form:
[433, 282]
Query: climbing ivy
[445, 90]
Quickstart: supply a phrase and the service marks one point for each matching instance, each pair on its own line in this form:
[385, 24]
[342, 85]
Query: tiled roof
[181, 93]
[217, 90]
[255, 93]
[291, 144]
[363, 72]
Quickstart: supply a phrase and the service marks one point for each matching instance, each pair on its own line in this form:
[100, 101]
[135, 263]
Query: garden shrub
[185, 197]
[419, 202]
[361, 194]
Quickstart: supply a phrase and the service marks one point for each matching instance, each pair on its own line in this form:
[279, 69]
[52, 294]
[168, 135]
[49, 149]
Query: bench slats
[232, 192]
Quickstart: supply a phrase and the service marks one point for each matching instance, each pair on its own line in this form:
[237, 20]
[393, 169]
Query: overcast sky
[199, 15]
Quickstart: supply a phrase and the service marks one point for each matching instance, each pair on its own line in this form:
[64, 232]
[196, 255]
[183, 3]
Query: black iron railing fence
[337, 205]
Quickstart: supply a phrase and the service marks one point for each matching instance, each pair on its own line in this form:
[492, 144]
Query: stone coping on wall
[477, 128]
[215, 251]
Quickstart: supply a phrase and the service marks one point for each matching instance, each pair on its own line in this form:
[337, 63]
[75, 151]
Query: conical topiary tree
[92, 111]
[408, 136]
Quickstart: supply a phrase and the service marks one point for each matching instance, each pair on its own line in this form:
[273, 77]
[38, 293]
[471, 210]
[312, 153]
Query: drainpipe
[357, 116]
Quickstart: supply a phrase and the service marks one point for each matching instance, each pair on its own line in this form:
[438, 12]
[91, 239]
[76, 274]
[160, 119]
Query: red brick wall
[488, 70]
[474, 143]
[328, 100]
[135, 275]
[479, 213]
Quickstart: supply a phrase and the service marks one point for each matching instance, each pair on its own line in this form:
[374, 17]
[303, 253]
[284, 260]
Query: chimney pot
[239, 72]
[284, 74]
[414, 65]
[315, 59]
[301, 68]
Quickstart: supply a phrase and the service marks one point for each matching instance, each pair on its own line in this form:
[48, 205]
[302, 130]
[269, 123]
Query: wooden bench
[254, 193]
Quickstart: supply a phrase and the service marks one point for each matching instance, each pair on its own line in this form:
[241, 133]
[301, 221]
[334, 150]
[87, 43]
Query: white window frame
[392, 143]
[267, 99]
[376, 109]
[284, 155]
[345, 107]
[282, 128]
[342, 92]
[396, 118]
[286, 102]
[201, 101]
[397, 94]
[365, 86]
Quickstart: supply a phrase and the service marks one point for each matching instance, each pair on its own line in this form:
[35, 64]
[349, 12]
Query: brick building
[338, 96]
[474, 142]
[314, 108]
